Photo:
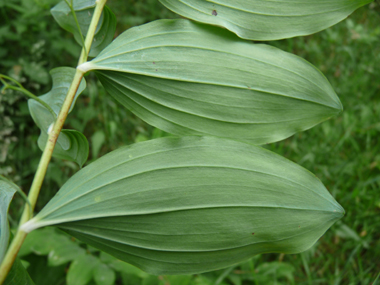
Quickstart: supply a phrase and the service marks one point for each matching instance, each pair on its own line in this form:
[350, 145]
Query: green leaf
[193, 79]
[64, 253]
[131, 270]
[103, 275]
[35, 71]
[97, 141]
[59, 247]
[267, 20]
[18, 275]
[105, 34]
[192, 204]
[81, 270]
[71, 145]
[42, 274]
[267, 272]
[78, 150]
[128, 279]
[203, 280]
[176, 280]
[7, 190]
[150, 280]
[40, 242]
[84, 10]
[106, 258]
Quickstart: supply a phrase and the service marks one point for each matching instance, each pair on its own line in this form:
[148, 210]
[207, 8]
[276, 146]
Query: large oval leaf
[192, 204]
[192, 79]
[267, 20]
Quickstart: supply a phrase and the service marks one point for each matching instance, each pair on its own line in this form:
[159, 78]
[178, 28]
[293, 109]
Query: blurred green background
[343, 152]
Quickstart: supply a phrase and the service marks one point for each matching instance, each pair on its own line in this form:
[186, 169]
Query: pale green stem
[10, 79]
[91, 31]
[48, 151]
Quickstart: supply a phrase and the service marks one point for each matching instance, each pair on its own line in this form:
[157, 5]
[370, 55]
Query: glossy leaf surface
[193, 79]
[84, 10]
[71, 145]
[192, 204]
[267, 20]
[7, 190]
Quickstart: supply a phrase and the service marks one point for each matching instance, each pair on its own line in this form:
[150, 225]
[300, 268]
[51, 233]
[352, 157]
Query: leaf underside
[192, 204]
[71, 145]
[84, 9]
[267, 20]
[7, 190]
[193, 79]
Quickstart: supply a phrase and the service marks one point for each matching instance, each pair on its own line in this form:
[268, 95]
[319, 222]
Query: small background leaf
[84, 10]
[35, 71]
[71, 144]
[103, 275]
[97, 140]
[59, 248]
[81, 270]
[105, 35]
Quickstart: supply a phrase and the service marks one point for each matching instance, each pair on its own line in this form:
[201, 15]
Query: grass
[343, 152]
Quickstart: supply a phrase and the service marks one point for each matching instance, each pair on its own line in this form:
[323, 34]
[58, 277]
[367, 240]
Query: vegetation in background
[343, 152]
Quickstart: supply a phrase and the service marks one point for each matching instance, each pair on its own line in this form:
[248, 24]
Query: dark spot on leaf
[154, 62]
[214, 13]
[156, 69]
[299, 226]
[253, 233]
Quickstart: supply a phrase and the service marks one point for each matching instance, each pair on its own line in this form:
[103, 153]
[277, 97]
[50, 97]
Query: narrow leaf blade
[267, 20]
[192, 204]
[192, 79]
